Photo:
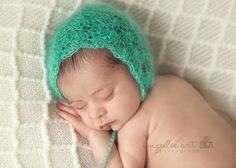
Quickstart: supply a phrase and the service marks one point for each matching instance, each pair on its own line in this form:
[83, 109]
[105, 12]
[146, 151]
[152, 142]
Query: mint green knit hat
[99, 25]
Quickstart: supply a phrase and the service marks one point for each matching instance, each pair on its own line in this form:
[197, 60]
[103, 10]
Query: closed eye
[106, 93]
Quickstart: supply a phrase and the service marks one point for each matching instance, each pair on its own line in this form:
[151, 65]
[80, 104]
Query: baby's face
[101, 95]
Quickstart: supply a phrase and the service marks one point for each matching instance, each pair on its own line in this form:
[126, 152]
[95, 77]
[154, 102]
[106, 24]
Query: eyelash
[106, 98]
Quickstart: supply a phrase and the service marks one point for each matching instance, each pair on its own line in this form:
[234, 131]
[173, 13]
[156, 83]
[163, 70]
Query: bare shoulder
[172, 85]
[182, 117]
[174, 91]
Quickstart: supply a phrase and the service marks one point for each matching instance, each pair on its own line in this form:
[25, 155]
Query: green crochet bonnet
[99, 25]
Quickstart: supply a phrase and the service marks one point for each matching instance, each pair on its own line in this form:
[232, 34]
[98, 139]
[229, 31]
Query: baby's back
[184, 131]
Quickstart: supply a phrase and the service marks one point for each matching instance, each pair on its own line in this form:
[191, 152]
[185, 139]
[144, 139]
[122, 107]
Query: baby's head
[99, 87]
[101, 49]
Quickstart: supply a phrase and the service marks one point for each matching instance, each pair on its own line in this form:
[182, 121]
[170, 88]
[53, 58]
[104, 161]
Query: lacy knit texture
[99, 25]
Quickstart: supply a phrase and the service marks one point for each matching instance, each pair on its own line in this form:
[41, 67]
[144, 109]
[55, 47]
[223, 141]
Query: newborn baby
[100, 66]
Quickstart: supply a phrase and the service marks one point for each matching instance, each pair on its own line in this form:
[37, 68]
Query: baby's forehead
[96, 70]
[86, 59]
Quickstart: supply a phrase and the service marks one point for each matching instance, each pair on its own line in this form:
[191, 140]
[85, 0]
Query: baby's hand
[69, 114]
[66, 107]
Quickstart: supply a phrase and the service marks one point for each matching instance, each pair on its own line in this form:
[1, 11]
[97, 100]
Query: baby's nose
[98, 113]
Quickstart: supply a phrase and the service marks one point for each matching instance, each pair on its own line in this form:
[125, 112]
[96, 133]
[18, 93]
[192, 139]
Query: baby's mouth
[106, 126]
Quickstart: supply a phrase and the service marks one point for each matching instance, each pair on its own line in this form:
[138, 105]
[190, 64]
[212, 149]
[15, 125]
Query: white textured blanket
[194, 39]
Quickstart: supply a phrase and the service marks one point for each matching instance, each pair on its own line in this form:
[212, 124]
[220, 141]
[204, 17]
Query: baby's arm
[132, 140]
[131, 152]
[98, 141]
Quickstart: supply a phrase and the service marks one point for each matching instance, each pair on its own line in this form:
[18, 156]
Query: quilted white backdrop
[194, 39]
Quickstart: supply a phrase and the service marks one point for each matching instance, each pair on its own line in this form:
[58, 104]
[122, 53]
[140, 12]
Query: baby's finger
[62, 102]
[77, 123]
[66, 108]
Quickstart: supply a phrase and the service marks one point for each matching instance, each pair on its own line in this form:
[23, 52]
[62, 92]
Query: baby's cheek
[87, 121]
[127, 104]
